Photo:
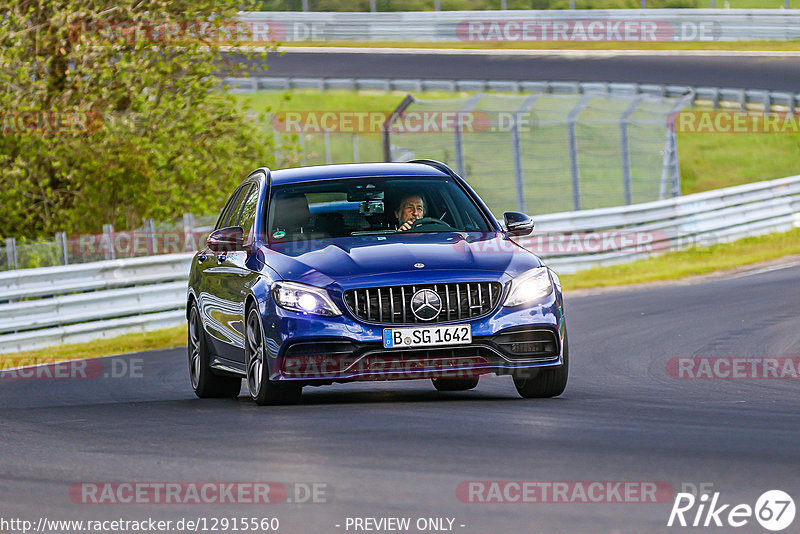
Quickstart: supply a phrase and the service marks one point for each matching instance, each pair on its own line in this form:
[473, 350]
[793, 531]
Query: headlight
[304, 299]
[528, 287]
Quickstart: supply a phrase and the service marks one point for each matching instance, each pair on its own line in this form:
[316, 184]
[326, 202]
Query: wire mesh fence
[547, 153]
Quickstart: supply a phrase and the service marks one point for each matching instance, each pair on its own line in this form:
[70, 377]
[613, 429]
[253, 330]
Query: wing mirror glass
[226, 240]
[517, 223]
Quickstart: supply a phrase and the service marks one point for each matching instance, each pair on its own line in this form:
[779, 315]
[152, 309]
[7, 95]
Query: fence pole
[386, 127]
[437, 5]
[356, 155]
[301, 138]
[574, 167]
[150, 232]
[304, 3]
[326, 137]
[189, 242]
[503, 4]
[644, 4]
[11, 252]
[458, 141]
[516, 145]
[108, 240]
[373, 6]
[572, 4]
[625, 149]
[61, 241]
[276, 149]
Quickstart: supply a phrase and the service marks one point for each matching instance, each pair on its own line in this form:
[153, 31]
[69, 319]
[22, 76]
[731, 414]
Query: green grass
[137, 342]
[714, 160]
[690, 262]
[780, 46]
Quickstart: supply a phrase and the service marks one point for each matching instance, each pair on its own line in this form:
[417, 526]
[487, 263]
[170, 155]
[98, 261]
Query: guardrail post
[437, 5]
[61, 241]
[11, 252]
[373, 6]
[150, 232]
[356, 155]
[574, 167]
[625, 149]
[304, 3]
[108, 241]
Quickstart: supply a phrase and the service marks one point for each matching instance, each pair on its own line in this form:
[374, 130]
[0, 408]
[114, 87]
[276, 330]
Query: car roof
[354, 170]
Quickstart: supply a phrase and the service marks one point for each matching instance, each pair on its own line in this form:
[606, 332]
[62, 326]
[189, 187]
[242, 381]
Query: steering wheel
[430, 222]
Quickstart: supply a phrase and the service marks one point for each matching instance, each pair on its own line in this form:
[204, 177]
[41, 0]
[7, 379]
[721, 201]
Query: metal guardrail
[714, 96]
[623, 25]
[77, 303]
[82, 302]
[568, 241]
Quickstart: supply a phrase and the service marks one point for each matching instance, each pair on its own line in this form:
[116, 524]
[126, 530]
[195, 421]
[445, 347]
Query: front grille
[392, 305]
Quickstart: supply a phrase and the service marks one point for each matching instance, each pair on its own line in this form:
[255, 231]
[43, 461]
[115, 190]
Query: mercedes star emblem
[426, 305]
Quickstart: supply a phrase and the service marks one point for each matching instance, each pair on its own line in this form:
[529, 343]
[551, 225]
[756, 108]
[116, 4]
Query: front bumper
[319, 350]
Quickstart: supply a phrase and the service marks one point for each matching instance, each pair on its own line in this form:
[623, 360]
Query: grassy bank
[690, 262]
[138, 342]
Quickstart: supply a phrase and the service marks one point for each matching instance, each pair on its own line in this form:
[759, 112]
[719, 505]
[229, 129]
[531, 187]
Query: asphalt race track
[402, 449]
[734, 70]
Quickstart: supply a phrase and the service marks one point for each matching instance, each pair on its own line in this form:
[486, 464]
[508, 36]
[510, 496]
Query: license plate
[432, 336]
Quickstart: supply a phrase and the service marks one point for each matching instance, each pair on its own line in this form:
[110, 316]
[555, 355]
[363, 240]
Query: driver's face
[410, 207]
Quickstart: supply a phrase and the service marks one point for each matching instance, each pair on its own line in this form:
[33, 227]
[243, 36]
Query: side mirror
[226, 240]
[517, 223]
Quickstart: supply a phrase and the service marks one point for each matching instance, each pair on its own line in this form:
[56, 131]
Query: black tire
[548, 382]
[263, 390]
[205, 383]
[454, 384]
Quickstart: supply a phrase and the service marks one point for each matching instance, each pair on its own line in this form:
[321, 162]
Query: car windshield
[343, 208]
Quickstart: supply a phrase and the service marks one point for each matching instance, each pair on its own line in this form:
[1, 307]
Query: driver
[411, 209]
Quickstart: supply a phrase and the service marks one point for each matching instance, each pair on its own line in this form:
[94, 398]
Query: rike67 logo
[774, 510]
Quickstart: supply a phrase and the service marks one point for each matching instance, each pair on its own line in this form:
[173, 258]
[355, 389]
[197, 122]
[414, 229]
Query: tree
[111, 112]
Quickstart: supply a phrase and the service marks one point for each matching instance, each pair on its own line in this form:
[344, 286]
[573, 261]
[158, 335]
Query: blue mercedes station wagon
[371, 271]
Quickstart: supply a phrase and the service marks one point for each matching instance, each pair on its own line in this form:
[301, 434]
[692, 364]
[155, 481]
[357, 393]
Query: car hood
[397, 259]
